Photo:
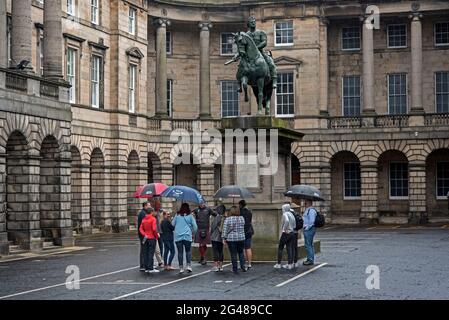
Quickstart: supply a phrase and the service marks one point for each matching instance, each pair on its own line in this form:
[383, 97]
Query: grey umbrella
[303, 191]
[233, 191]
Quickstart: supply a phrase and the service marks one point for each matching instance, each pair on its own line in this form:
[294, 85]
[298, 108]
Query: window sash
[442, 33]
[397, 36]
[71, 73]
[397, 94]
[442, 92]
[132, 88]
[350, 38]
[132, 21]
[283, 33]
[8, 39]
[442, 183]
[169, 97]
[399, 180]
[351, 100]
[95, 81]
[94, 11]
[168, 42]
[41, 53]
[352, 180]
[71, 7]
[230, 101]
[285, 95]
[227, 48]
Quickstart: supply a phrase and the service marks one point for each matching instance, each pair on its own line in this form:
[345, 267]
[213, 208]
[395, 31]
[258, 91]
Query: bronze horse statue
[253, 70]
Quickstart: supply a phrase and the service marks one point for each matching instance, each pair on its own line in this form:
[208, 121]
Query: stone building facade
[90, 117]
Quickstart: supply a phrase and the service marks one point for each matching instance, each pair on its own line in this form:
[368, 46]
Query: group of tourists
[159, 233]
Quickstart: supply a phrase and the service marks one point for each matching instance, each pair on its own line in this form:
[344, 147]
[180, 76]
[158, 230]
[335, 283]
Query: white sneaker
[277, 266]
[189, 269]
[181, 270]
[297, 264]
[215, 269]
[154, 271]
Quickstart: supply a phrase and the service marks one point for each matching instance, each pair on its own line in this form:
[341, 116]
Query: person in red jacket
[148, 230]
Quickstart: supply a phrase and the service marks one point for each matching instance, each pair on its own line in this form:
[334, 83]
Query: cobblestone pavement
[412, 262]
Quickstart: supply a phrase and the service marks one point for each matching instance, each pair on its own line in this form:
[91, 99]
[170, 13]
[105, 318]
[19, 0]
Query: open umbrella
[150, 190]
[233, 191]
[183, 193]
[303, 191]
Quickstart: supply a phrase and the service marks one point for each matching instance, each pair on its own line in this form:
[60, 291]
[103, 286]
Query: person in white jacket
[288, 225]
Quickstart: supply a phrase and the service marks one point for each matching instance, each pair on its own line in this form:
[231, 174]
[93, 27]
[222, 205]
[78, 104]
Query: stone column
[416, 52]
[21, 33]
[3, 35]
[324, 68]
[368, 67]
[52, 39]
[369, 181]
[161, 66]
[417, 192]
[205, 69]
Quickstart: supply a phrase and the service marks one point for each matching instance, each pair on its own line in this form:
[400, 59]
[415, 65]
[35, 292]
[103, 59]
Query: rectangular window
[283, 33]
[8, 40]
[95, 81]
[168, 42]
[71, 7]
[41, 53]
[442, 179]
[352, 181]
[230, 102]
[442, 33]
[132, 21]
[351, 96]
[397, 94]
[442, 92]
[350, 38]
[285, 97]
[398, 180]
[169, 97]
[132, 88]
[227, 47]
[94, 11]
[71, 73]
[397, 36]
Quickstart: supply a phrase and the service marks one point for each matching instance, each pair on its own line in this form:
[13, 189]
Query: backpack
[299, 221]
[319, 220]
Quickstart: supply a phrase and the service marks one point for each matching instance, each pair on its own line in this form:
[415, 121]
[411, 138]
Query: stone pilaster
[63, 223]
[369, 183]
[21, 33]
[161, 66]
[81, 200]
[324, 68]
[206, 185]
[368, 67]
[4, 246]
[416, 52]
[205, 69]
[53, 39]
[116, 192]
[3, 35]
[417, 193]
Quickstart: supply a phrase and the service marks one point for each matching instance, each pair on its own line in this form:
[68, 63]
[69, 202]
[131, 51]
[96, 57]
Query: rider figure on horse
[260, 39]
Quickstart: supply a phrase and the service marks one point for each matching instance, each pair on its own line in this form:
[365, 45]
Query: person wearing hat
[145, 207]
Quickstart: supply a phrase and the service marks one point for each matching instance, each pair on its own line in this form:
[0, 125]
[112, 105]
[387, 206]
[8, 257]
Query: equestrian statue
[256, 67]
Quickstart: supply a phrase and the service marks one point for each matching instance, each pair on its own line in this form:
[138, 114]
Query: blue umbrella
[183, 193]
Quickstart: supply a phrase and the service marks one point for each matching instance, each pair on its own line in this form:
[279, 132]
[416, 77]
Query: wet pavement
[412, 262]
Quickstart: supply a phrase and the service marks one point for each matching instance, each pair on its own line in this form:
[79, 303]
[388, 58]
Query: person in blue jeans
[168, 240]
[185, 227]
[309, 231]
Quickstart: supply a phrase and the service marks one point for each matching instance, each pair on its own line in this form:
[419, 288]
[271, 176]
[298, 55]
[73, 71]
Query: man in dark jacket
[202, 237]
[249, 231]
[141, 215]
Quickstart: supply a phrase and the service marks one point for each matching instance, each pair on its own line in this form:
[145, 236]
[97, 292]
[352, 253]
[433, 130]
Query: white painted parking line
[165, 284]
[65, 283]
[121, 283]
[301, 275]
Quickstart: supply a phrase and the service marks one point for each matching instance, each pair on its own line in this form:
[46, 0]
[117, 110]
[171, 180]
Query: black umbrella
[303, 191]
[233, 192]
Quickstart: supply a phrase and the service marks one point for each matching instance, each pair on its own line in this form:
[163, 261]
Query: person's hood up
[286, 208]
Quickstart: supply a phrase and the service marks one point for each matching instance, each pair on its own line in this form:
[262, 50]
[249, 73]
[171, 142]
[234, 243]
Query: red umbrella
[150, 190]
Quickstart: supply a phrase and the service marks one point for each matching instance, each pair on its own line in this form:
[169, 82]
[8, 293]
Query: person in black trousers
[145, 207]
[168, 240]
